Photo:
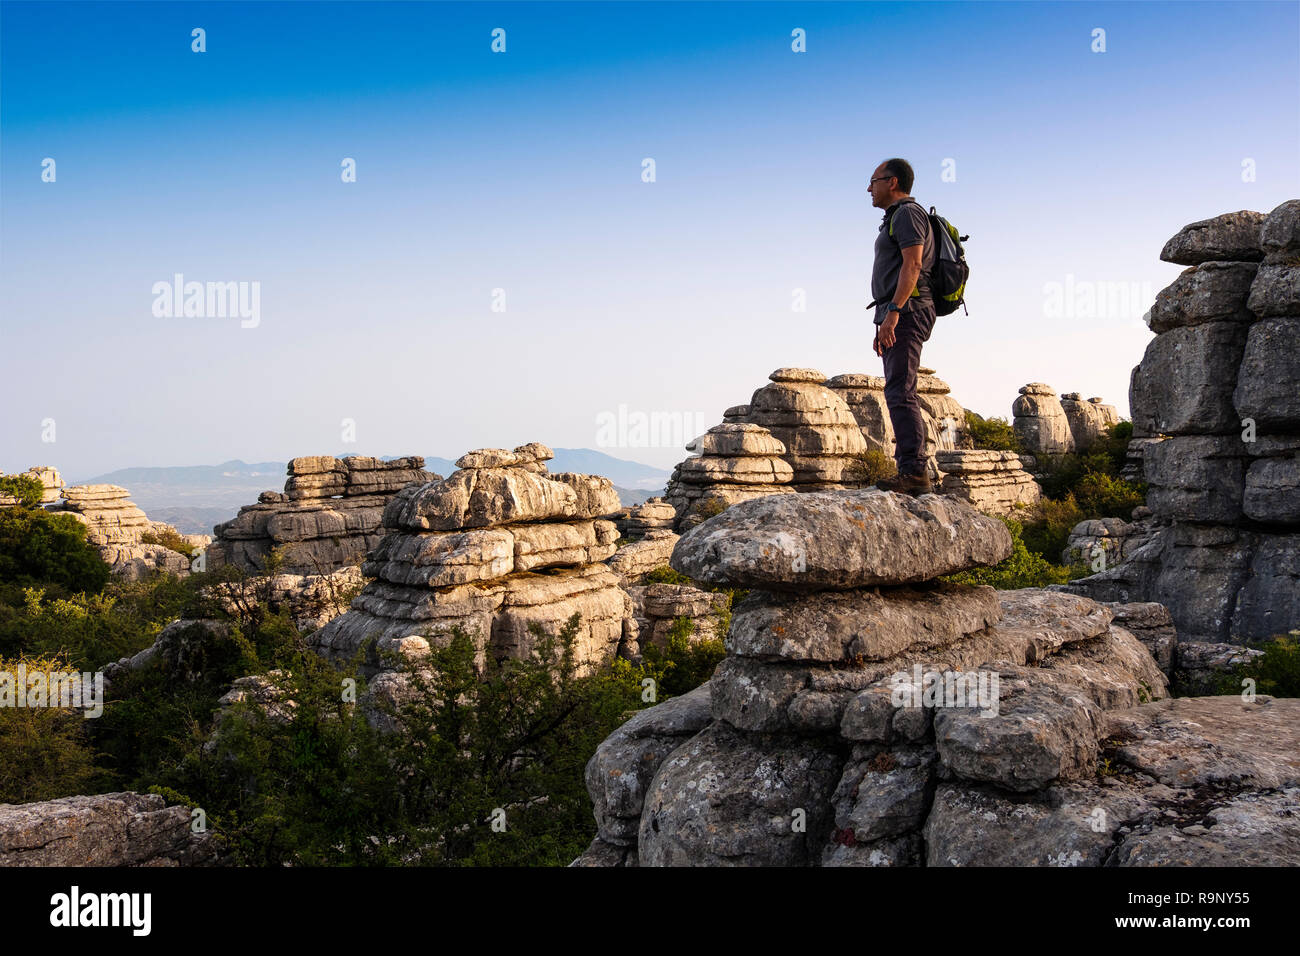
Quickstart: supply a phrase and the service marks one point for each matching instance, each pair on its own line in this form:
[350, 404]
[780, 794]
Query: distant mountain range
[196, 497]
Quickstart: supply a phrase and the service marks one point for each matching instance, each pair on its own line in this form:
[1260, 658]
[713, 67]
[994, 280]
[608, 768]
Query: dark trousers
[901, 362]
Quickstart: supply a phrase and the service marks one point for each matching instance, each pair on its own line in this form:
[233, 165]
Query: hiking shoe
[907, 484]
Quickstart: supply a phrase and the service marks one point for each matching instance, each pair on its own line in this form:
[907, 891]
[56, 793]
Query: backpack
[948, 276]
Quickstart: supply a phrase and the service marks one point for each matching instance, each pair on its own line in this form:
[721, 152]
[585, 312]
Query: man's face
[881, 187]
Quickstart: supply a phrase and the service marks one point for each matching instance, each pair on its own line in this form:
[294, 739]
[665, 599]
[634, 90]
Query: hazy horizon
[522, 171]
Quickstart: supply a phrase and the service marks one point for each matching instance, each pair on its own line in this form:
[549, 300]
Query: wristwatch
[892, 308]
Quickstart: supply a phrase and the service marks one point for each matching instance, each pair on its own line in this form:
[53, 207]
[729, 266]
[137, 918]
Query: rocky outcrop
[804, 432]
[109, 829]
[656, 608]
[733, 462]
[993, 481]
[120, 531]
[1047, 425]
[862, 707]
[1105, 542]
[653, 514]
[327, 517]
[1039, 421]
[1214, 402]
[499, 544]
[635, 559]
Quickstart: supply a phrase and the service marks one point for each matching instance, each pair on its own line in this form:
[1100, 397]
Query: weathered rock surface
[1232, 237]
[529, 550]
[922, 725]
[1216, 408]
[994, 482]
[1039, 420]
[327, 518]
[110, 829]
[841, 539]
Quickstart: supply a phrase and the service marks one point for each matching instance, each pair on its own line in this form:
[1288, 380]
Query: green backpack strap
[916, 291]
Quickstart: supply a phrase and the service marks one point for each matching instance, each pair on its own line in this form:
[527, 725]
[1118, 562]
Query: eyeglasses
[878, 179]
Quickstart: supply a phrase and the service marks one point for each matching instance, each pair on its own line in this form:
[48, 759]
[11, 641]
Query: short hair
[903, 170]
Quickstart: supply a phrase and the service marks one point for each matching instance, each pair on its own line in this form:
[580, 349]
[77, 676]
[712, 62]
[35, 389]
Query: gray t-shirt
[911, 228]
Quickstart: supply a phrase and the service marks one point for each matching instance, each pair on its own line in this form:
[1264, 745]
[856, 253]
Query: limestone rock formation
[1215, 403]
[1039, 420]
[109, 829]
[862, 726]
[653, 514]
[327, 517]
[634, 560]
[655, 608]
[1047, 425]
[804, 433]
[993, 481]
[736, 461]
[498, 544]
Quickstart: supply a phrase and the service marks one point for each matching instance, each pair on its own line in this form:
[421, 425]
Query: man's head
[891, 181]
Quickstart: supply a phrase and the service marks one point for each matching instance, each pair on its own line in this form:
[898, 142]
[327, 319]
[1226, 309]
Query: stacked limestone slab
[496, 545]
[1039, 420]
[116, 526]
[835, 733]
[1216, 395]
[327, 517]
[995, 482]
[821, 426]
[1088, 419]
[734, 461]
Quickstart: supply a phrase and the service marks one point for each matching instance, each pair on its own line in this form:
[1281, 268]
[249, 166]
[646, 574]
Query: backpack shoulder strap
[895, 213]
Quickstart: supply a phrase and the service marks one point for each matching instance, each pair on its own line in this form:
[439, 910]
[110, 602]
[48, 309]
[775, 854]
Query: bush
[994, 434]
[41, 547]
[668, 575]
[1023, 569]
[869, 467]
[28, 490]
[1049, 524]
[44, 751]
[1277, 673]
[169, 538]
[685, 664]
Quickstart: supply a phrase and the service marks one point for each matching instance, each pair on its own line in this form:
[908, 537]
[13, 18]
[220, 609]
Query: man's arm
[907, 276]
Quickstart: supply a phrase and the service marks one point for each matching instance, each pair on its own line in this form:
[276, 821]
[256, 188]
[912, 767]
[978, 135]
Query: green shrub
[169, 538]
[1277, 673]
[1023, 569]
[41, 548]
[45, 752]
[869, 467]
[994, 434]
[1048, 525]
[28, 490]
[685, 664]
[667, 575]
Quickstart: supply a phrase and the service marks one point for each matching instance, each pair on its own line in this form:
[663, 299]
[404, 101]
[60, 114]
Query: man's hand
[885, 334]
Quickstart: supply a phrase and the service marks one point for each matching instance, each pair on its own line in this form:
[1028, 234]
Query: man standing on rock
[905, 316]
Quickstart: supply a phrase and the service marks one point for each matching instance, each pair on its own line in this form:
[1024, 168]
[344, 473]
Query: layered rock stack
[1216, 391]
[327, 517]
[656, 609]
[116, 526]
[1088, 420]
[1047, 425]
[1039, 421]
[866, 715]
[646, 539]
[495, 546]
[994, 482]
[734, 461]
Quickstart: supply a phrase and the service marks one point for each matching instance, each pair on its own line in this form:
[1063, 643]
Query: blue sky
[522, 171]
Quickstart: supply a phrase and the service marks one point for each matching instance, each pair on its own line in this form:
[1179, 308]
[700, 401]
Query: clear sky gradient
[522, 171]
